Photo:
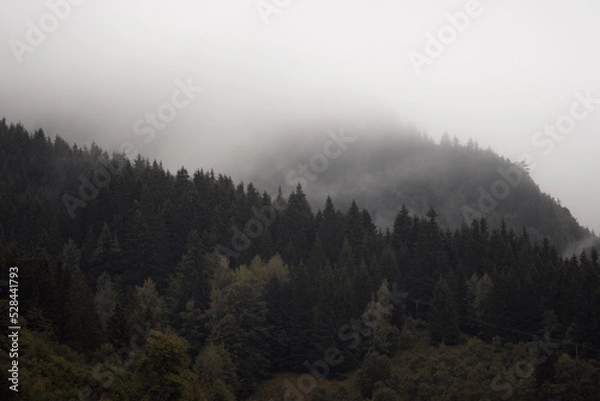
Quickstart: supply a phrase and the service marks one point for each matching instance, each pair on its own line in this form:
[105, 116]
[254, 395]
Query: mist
[271, 72]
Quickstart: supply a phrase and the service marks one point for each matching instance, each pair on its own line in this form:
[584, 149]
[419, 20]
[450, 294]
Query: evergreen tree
[443, 315]
[117, 329]
[237, 320]
[82, 321]
[105, 298]
[378, 317]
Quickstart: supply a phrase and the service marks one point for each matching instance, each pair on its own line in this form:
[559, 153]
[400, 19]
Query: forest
[136, 283]
[386, 165]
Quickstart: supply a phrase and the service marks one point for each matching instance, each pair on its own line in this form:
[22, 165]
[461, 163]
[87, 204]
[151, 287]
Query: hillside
[382, 168]
[135, 283]
[473, 370]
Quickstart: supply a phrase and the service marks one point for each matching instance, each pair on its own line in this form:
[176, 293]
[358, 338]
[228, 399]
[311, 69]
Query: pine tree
[116, 328]
[146, 307]
[82, 321]
[443, 315]
[331, 231]
[378, 317]
[401, 236]
[217, 372]
[238, 321]
[354, 230]
[105, 298]
[163, 371]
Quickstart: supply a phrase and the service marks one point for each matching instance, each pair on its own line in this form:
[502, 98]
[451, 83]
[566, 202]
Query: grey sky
[515, 68]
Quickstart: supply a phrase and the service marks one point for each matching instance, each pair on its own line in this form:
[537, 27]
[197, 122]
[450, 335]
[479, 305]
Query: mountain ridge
[400, 166]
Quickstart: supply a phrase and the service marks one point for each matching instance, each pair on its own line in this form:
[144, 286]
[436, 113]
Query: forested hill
[380, 172]
[382, 167]
[139, 284]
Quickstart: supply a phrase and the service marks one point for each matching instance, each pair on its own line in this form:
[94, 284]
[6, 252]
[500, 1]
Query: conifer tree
[82, 324]
[443, 315]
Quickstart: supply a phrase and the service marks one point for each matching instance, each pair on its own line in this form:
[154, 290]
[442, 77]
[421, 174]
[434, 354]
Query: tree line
[140, 258]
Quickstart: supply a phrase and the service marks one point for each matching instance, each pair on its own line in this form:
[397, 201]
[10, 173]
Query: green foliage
[117, 328]
[581, 379]
[45, 372]
[378, 317]
[237, 318]
[309, 283]
[146, 307]
[163, 370]
[82, 321]
[217, 372]
[375, 368]
[105, 298]
[478, 292]
[444, 315]
[385, 394]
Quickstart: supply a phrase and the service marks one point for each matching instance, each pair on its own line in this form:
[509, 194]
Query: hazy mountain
[384, 167]
[139, 283]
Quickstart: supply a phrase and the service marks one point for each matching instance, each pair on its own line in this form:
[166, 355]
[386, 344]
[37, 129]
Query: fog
[104, 67]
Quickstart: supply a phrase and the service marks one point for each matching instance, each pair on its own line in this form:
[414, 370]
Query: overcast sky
[512, 67]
